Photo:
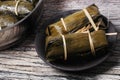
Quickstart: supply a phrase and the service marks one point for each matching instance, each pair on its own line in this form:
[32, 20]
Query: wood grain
[21, 62]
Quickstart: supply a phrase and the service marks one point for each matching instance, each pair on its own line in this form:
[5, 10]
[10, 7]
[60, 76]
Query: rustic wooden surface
[22, 62]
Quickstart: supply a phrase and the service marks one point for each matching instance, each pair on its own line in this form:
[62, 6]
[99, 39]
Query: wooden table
[22, 62]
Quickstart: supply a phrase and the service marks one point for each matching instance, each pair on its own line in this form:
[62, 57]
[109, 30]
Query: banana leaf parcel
[74, 21]
[23, 8]
[76, 43]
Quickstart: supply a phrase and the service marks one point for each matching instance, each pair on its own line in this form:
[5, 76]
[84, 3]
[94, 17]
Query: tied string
[91, 43]
[82, 30]
[16, 6]
[0, 28]
[110, 34]
[90, 19]
[64, 41]
[63, 23]
[89, 35]
[86, 30]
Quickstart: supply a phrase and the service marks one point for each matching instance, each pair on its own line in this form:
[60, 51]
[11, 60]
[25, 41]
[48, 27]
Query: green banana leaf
[77, 44]
[23, 7]
[7, 20]
[74, 21]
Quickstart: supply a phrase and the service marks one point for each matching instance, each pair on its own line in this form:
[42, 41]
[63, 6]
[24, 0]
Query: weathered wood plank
[28, 62]
[22, 62]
